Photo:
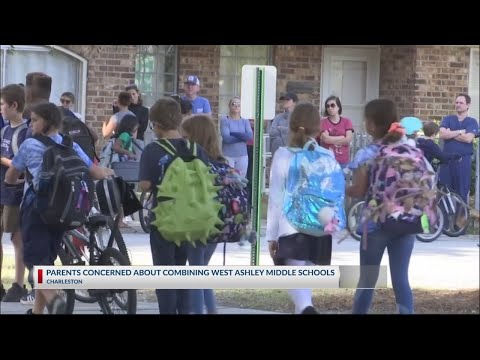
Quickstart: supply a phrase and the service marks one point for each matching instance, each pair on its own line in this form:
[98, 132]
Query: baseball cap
[411, 124]
[289, 96]
[192, 79]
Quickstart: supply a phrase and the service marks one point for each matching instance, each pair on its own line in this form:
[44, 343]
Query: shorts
[317, 249]
[40, 242]
[10, 218]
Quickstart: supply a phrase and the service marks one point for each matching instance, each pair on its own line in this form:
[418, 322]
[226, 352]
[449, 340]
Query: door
[352, 74]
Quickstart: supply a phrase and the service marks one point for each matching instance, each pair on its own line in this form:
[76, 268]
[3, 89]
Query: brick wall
[110, 69]
[441, 73]
[299, 70]
[203, 61]
[397, 76]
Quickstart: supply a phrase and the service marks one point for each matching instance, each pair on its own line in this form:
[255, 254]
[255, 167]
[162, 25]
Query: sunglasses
[65, 101]
[331, 106]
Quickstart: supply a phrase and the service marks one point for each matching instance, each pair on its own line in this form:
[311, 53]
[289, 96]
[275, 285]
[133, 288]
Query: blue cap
[411, 124]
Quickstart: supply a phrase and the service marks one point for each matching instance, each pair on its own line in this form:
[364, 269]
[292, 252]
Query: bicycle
[451, 211]
[355, 214]
[455, 211]
[97, 254]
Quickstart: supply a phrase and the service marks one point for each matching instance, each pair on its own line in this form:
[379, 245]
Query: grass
[339, 301]
[8, 272]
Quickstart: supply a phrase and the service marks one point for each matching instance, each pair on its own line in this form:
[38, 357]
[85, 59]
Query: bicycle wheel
[353, 219]
[435, 231]
[144, 213]
[81, 295]
[67, 294]
[110, 236]
[114, 301]
[456, 214]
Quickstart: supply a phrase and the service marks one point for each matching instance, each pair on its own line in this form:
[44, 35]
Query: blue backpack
[315, 191]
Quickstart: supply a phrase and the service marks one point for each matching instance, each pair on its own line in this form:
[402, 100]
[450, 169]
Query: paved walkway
[146, 308]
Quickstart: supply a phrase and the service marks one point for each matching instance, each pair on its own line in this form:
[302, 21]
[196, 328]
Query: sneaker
[2, 292]
[57, 306]
[15, 293]
[310, 310]
[28, 299]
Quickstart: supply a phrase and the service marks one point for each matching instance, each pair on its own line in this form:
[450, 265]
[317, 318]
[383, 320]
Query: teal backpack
[315, 191]
[188, 206]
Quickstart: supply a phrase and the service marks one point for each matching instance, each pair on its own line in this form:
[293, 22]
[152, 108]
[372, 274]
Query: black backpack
[79, 132]
[65, 189]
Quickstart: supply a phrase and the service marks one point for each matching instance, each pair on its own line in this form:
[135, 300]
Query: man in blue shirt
[199, 104]
[458, 131]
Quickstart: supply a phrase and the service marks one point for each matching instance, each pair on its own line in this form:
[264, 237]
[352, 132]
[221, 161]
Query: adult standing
[279, 129]
[458, 132]
[236, 131]
[336, 131]
[200, 105]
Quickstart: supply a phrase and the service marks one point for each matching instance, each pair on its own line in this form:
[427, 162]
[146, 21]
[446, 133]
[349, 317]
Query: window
[473, 83]
[156, 71]
[232, 59]
[67, 69]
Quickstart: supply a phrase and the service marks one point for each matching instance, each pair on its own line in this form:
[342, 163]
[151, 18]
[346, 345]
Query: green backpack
[188, 205]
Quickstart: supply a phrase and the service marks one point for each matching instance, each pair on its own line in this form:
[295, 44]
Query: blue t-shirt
[10, 196]
[364, 156]
[469, 124]
[30, 155]
[200, 105]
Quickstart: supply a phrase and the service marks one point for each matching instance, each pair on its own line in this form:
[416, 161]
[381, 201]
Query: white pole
[477, 179]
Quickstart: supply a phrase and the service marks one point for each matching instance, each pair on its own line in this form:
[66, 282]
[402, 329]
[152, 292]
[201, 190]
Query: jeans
[200, 298]
[399, 252]
[170, 301]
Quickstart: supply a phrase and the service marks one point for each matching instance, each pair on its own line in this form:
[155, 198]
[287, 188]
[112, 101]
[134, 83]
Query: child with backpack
[42, 227]
[124, 138]
[185, 212]
[12, 136]
[430, 149]
[299, 225]
[202, 130]
[397, 182]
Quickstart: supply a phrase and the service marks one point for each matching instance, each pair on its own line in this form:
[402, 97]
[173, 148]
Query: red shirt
[342, 152]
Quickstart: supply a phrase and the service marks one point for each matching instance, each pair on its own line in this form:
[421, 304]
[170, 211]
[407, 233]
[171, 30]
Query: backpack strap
[136, 144]
[309, 143]
[167, 146]
[45, 140]
[193, 147]
[15, 137]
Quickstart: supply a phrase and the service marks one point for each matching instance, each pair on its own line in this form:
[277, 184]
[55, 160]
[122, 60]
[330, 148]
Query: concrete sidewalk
[143, 308]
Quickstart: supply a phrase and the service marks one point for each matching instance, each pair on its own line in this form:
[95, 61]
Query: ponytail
[298, 137]
[394, 134]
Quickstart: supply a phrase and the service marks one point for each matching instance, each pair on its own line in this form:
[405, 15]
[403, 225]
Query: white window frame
[237, 78]
[155, 91]
[474, 93]
[83, 68]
